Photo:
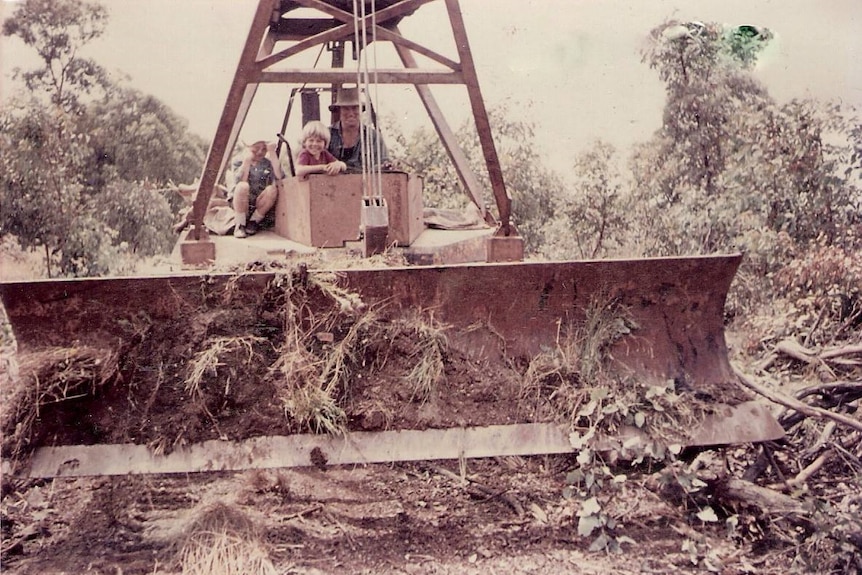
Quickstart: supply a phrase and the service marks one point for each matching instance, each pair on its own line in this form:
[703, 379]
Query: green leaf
[640, 419]
[600, 543]
[707, 514]
[578, 441]
[588, 409]
[610, 408]
[574, 477]
[587, 524]
[590, 507]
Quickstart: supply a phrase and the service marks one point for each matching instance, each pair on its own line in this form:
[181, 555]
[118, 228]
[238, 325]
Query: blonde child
[314, 157]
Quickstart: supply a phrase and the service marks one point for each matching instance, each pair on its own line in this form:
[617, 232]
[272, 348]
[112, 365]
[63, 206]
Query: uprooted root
[223, 540]
[49, 377]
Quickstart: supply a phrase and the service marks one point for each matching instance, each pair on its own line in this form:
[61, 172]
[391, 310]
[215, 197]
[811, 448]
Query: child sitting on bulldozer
[314, 158]
[256, 190]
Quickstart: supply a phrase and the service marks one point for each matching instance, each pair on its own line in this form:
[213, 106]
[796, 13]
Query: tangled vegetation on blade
[333, 340]
[47, 378]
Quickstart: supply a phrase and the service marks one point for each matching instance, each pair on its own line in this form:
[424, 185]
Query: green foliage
[140, 215]
[57, 30]
[78, 175]
[532, 187]
[589, 219]
[731, 169]
[136, 138]
[424, 154]
[706, 92]
[824, 290]
[744, 43]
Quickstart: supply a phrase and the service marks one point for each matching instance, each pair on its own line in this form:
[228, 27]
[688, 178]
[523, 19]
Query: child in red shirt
[314, 157]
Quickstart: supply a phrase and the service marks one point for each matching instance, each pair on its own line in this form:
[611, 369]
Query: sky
[571, 67]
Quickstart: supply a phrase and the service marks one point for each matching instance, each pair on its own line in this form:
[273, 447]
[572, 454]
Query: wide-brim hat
[346, 97]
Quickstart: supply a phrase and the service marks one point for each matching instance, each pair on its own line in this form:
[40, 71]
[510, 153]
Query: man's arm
[242, 171]
[273, 159]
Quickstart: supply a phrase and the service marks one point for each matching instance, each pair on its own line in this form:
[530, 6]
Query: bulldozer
[492, 307]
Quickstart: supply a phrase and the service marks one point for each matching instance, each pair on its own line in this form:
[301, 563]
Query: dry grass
[222, 540]
[316, 409]
[314, 373]
[49, 377]
[332, 338]
[208, 360]
[428, 346]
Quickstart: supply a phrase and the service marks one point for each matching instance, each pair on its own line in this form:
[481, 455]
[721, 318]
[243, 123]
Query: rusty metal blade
[303, 451]
[492, 310]
[747, 422]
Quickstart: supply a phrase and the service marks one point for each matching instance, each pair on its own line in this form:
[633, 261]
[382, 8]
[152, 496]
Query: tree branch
[787, 401]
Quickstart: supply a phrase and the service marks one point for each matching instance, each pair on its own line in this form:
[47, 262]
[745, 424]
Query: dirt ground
[407, 518]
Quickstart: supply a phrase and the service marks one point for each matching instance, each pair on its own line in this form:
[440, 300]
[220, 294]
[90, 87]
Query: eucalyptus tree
[731, 168]
[82, 157]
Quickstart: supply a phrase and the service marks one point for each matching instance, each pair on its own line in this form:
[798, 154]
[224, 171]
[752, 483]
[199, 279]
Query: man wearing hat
[346, 141]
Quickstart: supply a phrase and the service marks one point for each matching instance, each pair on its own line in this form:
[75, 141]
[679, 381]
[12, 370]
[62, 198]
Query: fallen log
[849, 388]
[770, 502]
[803, 476]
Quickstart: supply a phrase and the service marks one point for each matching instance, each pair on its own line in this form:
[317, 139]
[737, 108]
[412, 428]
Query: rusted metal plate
[303, 451]
[747, 422]
[492, 310]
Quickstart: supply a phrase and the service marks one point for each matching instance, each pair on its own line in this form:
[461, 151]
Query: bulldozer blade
[747, 422]
[510, 310]
[491, 312]
[304, 450]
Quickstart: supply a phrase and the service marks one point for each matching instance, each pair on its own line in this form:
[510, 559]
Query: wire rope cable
[370, 145]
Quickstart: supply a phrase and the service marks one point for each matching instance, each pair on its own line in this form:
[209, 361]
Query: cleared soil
[406, 518]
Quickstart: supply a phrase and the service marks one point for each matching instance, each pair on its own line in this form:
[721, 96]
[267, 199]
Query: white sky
[571, 66]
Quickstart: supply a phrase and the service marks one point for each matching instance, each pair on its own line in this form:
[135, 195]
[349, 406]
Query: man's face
[349, 116]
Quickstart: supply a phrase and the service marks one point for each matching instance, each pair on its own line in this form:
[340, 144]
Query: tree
[135, 137]
[79, 172]
[703, 68]
[58, 30]
[731, 169]
[730, 163]
[44, 201]
[589, 219]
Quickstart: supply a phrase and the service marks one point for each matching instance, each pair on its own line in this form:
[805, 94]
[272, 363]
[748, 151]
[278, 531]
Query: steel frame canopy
[275, 21]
